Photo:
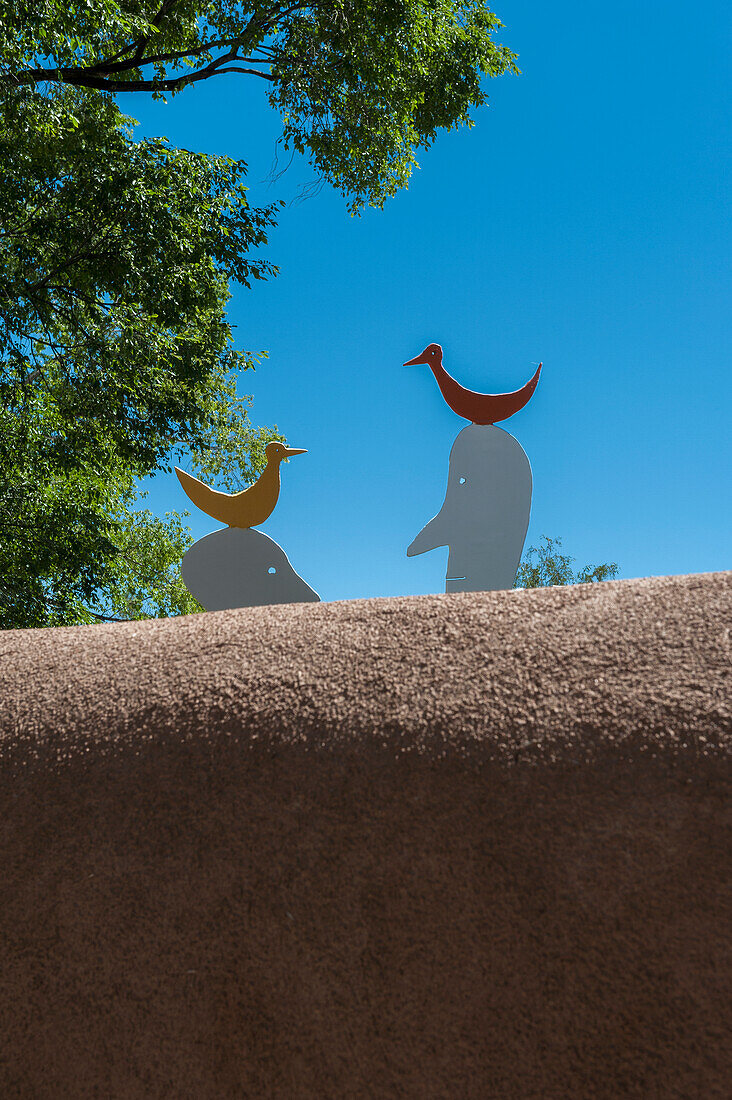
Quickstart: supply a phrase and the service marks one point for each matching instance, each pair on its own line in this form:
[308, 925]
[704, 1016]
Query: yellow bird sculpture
[250, 507]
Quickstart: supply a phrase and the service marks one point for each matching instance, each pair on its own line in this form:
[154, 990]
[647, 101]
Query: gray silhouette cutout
[240, 567]
[486, 511]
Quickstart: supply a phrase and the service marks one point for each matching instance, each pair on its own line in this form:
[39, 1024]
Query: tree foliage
[360, 84]
[115, 257]
[545, 565]
[146, 581]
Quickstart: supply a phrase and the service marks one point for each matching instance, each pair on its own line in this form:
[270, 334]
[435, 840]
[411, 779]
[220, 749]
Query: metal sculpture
[479, 408]
[239, 567]
[485, 514]
[250, 507]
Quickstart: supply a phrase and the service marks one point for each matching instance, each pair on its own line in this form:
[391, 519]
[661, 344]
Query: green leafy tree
[115, 258]
[545, 565]
[146, 582]
[360, 84]
[116, 255]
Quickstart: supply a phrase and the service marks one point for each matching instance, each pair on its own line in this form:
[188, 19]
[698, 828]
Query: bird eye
[271, 569]
[462, 480]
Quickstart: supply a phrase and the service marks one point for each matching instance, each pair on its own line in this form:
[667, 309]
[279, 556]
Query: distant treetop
[544, 566]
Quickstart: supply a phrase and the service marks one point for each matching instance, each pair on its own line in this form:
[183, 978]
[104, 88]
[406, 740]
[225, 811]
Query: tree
[115, 258]
[116, 254]
[545, 565]
[360, 84]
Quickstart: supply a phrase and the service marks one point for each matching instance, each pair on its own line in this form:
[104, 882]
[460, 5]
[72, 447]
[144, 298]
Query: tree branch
[140, 43]
[132, 56]
[97, 76]
[97, 252]
[104, 67]
[89, 78]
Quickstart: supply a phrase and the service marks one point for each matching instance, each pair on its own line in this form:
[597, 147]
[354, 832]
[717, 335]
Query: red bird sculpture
[480, 408]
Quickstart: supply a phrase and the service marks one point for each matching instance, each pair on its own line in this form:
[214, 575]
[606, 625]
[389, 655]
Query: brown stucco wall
[469, 846]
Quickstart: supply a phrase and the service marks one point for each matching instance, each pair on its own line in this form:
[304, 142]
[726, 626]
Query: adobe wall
[466, 846]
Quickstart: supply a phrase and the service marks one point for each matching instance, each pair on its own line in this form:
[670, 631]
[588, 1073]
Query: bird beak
[416, 361]
[290, 451]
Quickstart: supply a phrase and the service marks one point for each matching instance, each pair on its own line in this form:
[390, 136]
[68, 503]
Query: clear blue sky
[584, 221]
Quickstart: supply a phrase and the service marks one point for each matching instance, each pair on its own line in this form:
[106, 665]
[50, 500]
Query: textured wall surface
[456, 846]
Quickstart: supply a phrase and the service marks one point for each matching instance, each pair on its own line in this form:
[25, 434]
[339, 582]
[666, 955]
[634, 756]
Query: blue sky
[584, 221]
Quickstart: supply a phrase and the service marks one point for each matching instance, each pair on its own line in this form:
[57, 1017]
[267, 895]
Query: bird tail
[202, 495]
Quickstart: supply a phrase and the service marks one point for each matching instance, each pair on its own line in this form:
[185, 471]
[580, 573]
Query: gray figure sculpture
[485, 514]
[240, 567]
